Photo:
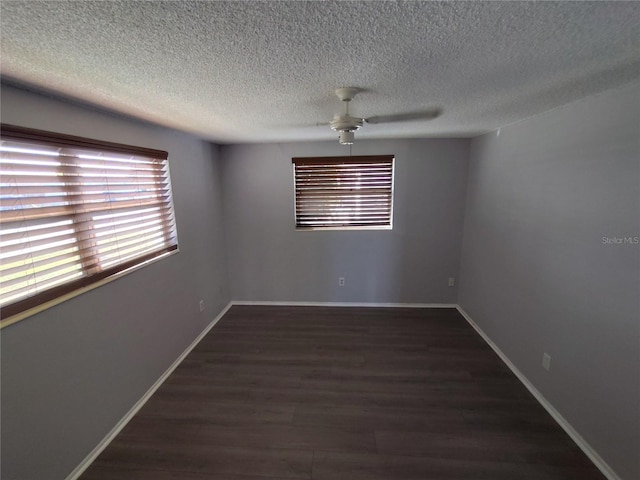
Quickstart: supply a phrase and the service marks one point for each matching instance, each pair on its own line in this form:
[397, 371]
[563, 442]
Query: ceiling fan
[346, 125]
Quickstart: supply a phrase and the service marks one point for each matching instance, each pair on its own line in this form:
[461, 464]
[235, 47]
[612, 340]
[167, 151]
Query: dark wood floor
[342, 393]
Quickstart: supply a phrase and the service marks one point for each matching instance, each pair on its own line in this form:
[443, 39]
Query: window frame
[91, 277]
[351, 224]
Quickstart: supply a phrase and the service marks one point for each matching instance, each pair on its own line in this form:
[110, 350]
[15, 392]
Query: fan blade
[405, 117]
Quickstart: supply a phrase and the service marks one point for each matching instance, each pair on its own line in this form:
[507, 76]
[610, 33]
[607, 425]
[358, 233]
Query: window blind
[74, 211]
[344, 192]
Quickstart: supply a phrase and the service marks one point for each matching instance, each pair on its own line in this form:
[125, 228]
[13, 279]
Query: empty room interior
[320, 240]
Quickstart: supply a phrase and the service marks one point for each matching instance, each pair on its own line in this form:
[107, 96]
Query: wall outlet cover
[546, 361]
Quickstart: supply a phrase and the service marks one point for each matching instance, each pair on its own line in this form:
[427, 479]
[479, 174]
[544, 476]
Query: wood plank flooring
[342, 393]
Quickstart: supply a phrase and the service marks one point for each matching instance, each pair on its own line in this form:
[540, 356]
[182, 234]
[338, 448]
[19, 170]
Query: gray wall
[537, 276]
[535, 273]
[71, 373]
[270, 260]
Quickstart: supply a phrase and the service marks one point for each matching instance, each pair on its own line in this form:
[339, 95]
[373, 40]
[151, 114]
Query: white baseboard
[79, 470]
[88, 460]
[606, 470]
[344, 304]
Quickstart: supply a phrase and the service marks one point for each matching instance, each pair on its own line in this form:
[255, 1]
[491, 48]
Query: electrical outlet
[341, 281]
[202, 305]
[546, 361]
[452, 281]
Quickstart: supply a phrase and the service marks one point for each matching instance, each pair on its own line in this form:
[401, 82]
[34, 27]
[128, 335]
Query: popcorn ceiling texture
[265, 71]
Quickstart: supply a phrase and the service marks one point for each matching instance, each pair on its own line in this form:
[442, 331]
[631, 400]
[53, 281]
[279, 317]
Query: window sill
[5, 322]
[308, 229]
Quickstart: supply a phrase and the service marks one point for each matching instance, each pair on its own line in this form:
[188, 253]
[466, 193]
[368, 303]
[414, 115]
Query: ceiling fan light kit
[346, 137]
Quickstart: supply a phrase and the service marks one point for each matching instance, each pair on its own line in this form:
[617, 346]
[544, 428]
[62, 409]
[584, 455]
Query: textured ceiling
[265, 71]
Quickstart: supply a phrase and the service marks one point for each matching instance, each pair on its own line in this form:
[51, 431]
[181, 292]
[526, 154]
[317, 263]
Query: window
[74, 211]
[344, 192]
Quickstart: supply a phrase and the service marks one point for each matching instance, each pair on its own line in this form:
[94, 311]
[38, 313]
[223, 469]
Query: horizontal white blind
[339, 192]
[72, 216]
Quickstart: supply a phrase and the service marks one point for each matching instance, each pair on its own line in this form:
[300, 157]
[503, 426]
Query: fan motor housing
[345, 123]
